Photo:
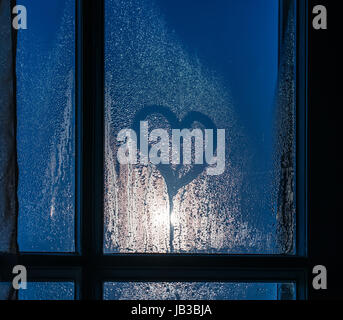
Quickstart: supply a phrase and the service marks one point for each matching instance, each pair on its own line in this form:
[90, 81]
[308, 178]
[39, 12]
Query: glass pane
[48, 291]
[41, 291]
[46, 126]
[195, 291]
[206, 65]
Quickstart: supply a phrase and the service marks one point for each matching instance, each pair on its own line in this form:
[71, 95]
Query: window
[194, 291]
[110, 230]
[217, 64]
[46, 128]
[48, 291]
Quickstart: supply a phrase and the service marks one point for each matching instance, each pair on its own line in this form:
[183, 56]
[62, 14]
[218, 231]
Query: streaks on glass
[46, 127]
[194, 291]
[226, 69]
[48, 291]
[285, 143]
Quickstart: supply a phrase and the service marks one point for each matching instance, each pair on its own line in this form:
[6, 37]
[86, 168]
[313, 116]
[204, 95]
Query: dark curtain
[8, 163]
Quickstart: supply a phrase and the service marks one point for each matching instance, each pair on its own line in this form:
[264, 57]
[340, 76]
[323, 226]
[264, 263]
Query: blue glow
[46, 126]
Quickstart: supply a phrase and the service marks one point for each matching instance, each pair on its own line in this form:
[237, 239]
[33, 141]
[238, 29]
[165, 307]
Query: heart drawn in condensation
[172, 175]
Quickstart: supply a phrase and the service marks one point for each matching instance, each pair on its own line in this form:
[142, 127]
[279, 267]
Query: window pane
[46, 126]
[41, 291]
[199, 65]
[48, 291]
[195, 291]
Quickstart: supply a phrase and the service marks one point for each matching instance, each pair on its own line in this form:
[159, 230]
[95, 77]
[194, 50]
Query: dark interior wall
[325, 209]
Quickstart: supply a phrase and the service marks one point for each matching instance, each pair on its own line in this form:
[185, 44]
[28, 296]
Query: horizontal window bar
[151, 260]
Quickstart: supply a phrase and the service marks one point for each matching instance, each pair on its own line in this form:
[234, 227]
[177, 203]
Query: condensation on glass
[225, 64]
[46, 127]
[48, 291]
[198, 291]
[41, 291]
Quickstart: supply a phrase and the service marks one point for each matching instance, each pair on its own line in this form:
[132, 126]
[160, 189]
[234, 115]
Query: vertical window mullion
[92, 156]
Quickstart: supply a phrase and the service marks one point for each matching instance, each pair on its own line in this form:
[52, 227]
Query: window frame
[89, 267]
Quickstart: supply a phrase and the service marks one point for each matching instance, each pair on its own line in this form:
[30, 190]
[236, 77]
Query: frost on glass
[284, 160]
[196, 291]
[48, 291]
[219, 59]
[46, 126]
